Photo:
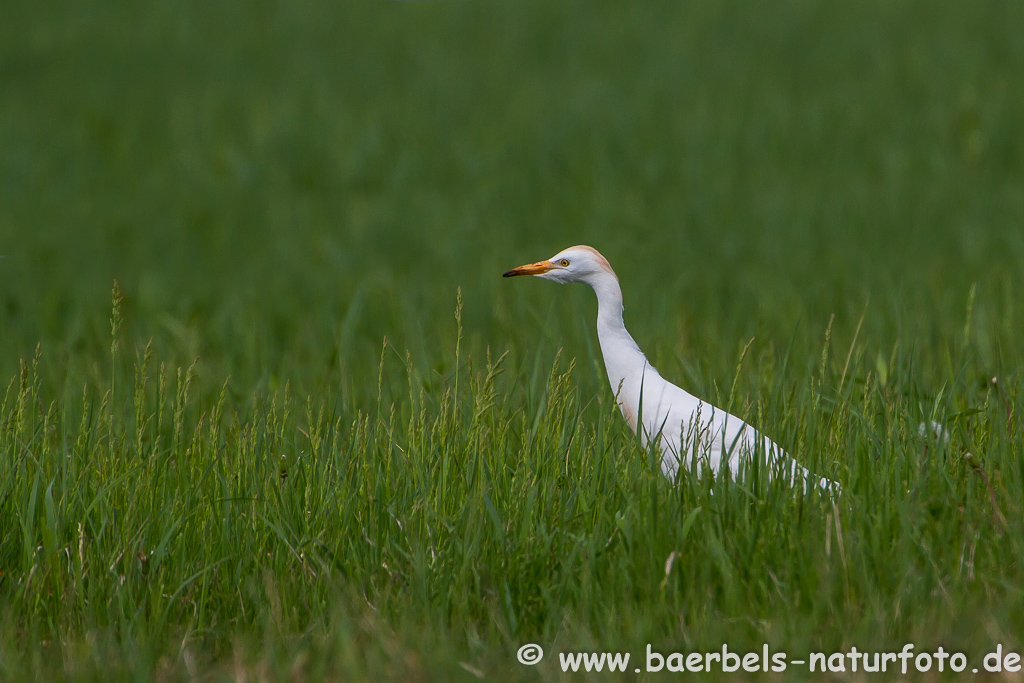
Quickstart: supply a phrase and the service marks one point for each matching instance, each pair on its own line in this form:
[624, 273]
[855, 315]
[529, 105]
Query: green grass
[315, 434]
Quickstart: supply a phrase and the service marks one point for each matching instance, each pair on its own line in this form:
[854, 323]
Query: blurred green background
[277, 186]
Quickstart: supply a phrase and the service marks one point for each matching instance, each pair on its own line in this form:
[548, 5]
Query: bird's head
[575, 264]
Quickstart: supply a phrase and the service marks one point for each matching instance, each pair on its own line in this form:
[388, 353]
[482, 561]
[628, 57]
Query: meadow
[271, 413]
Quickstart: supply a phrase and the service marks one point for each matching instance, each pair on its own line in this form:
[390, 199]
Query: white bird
[689, 431]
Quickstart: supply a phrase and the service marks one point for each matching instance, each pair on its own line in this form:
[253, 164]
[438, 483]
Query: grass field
[310, 433]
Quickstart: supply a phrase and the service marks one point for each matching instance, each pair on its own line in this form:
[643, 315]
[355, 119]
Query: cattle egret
[689, 431]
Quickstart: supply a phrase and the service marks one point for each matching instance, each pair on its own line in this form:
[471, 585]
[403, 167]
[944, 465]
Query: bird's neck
[622, 357]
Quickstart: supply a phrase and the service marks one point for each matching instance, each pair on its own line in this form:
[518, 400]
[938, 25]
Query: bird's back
[695, 434]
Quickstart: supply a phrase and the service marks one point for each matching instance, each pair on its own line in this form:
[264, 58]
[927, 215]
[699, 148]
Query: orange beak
[530, 269]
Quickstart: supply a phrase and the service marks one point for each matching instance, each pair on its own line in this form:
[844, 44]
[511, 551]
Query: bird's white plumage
[690, 432]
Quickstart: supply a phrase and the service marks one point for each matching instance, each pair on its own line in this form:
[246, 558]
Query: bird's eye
[564, 263]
